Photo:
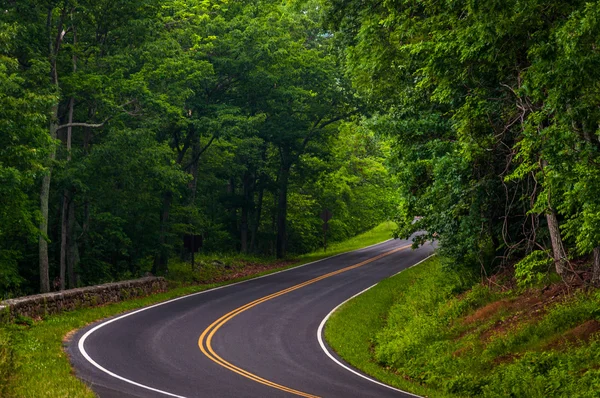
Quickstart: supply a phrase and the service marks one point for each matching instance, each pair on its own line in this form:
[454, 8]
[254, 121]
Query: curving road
[253, 339]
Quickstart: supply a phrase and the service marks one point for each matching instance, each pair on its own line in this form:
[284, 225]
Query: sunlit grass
[380, 233]
[350, 330]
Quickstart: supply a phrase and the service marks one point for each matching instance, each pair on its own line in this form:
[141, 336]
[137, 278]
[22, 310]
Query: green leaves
[493, 110]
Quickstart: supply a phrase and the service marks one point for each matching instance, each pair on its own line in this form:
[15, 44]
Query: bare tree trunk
[557, 243]
[66, 203]
[558, 249]
[44, 198]
[53, 48]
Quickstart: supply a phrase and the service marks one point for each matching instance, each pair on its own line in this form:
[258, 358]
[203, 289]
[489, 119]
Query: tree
[480, 98]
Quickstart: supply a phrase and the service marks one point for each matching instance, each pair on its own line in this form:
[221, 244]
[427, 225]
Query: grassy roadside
[349, 330]
[422, 332]
[33, 364]
[378, 234]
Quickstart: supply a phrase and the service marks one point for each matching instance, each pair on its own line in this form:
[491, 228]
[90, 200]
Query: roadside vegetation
[32, 349]
[429, 332]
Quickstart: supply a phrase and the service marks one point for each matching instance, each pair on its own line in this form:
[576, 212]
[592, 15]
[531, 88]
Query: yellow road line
[205, 340]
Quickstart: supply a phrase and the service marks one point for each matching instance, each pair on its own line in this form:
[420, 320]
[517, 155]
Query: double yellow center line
[205, 340]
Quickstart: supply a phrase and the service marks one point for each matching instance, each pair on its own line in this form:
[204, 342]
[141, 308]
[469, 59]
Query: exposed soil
[530, 305]
[514, 312]
[578, 335]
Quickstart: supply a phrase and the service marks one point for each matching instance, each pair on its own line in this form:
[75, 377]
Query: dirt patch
[508, 358]
[67, 337]
[461, 351]
[507, 315]
[578, 335]
[485, 312]
[531, 304]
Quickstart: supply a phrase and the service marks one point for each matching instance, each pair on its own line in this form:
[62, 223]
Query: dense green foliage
[126, 125]
[493, 107]
[416, 332]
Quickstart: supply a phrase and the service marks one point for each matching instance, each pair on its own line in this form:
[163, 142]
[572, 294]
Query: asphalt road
[253, 339]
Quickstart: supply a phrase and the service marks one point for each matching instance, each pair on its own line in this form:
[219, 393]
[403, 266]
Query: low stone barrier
[52, 303]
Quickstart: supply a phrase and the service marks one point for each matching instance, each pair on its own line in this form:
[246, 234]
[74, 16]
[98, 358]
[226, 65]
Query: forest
[126, 125]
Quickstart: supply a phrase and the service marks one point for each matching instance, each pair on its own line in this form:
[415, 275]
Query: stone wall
[66, 300]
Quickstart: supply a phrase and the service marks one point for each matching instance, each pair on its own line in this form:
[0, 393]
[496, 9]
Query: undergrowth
[6, 361]
[526, 343]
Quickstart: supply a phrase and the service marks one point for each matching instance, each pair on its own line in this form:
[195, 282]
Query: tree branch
[195, 158]
[90, 125]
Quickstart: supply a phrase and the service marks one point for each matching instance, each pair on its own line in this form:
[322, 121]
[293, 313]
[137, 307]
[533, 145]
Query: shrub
[532, 269]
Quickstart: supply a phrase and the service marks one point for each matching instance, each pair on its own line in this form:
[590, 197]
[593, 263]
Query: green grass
[350, 330]
[33, 363]
[376, 235]
[422, 332]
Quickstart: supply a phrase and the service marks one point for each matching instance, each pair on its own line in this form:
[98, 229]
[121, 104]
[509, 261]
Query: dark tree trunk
[233, 228]
[66, 203]
[72, 249]
[44, 199]
[281, 243]
[161, 259]
[247, 195]
[256, 225]
[64, 233]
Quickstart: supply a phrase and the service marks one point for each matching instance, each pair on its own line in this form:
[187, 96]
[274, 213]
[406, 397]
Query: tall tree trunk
[54, 43]
[44, 198]
[246, 205]
[257, 216]
[66, 204]
[232, 207]
[72, 249]
[261, 178]
[281, 243]
[558, 249]
[194, 169]
[161, 259]
[63, 238]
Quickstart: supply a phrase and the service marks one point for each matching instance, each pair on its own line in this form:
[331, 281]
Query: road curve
[253, 339]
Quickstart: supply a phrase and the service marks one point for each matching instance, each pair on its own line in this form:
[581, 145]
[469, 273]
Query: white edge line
[81, 342]
[334, 359]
